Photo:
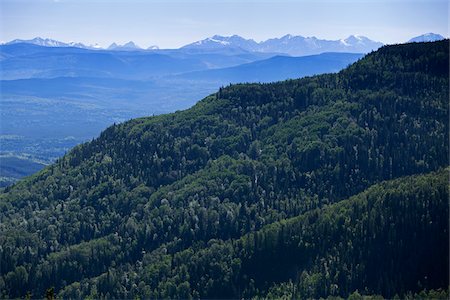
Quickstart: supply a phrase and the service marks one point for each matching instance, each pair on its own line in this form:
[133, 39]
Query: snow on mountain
[218, 42]
[289, 44]
[130, 46]
[427, 37]
[299, 45]
[96, 46]
[40, 42]
[52, 43]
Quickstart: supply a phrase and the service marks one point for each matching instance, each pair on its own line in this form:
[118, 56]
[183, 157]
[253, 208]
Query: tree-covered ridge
[363, 243]
[243, 158]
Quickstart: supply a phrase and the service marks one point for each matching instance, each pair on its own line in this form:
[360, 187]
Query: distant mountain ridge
[52, 43]
[130, 46]
[277, 68]
[289, 44]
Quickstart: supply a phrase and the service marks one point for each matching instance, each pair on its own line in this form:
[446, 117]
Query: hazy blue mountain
[427, 37]
[130, 46]
[22, 60]
[299, 45]
[52, 43]
[29, 61]
[277, 68]
[46, 42]
[290, 45]
[219, 42]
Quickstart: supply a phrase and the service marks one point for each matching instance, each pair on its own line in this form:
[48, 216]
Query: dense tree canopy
[249, 193]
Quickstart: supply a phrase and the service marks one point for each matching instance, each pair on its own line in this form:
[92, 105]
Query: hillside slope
[362, 243]
[25, 61]
[241, 159]
[276, 68]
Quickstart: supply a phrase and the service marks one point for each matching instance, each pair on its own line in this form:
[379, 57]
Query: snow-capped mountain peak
[288, 44]
[218, 39]
[295, 45]
[96, 46]
[130, 44]
[40, 42]
[52, 43]
[427, 37]
[220, 42]
[352, 39]
[125, 47]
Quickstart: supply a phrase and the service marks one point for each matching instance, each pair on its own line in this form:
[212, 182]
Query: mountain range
[288, 44]
[329, 186]
[130, 46]
[52, 43]
[24, 60]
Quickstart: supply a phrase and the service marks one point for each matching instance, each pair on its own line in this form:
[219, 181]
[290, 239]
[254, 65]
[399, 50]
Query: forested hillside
[363, 243]
[243, 195]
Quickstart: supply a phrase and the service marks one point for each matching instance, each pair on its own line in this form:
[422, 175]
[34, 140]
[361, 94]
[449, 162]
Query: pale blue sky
[173, 23]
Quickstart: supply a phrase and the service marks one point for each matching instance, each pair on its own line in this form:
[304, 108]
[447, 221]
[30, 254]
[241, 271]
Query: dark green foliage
[244, 194]
[363, 243]
[326, 251]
